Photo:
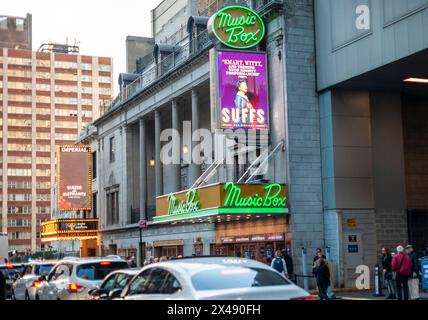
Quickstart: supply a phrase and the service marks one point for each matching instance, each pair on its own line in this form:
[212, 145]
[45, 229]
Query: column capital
[195, 92]
[142, 121]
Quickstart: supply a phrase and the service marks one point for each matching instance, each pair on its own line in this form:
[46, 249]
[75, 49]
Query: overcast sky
[100, 26]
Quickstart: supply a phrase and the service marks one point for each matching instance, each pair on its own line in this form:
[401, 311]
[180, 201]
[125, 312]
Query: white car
[113, 284]
[219, 278]
[24, 288]
[72, 278]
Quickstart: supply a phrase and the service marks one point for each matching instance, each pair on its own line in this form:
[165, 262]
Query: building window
[3, 23]
[86, 78]
[105, 67]
[104, 79]
[43, 197]
[19, 24]
[86, 66]
[112, 149]
[94, 205]
[112, 198]
[94, 165]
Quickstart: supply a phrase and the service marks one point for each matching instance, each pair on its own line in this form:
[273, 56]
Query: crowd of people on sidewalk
[132, 261]
[401, 273]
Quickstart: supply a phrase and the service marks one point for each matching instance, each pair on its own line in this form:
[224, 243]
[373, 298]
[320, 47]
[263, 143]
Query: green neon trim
[219, 211]
[191, 204]
[271, 198]
[248, 11]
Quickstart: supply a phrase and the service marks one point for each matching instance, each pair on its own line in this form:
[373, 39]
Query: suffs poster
[242, 87]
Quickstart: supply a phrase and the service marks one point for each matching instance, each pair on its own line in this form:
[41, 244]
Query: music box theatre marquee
[222, 199]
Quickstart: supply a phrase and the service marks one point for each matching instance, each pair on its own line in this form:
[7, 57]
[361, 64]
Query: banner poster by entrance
[243, 90]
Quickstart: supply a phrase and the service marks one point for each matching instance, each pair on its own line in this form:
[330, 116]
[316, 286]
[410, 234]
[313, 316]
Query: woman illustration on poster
[242, 101]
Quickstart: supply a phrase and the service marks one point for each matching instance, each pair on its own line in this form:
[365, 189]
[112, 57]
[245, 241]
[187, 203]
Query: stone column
[158, 164]
[195, 168]
[128, 176]
[176, 152]
[143, 170]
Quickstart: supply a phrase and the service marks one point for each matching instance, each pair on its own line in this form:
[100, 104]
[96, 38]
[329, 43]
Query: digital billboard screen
[242, 90]
[74, 178]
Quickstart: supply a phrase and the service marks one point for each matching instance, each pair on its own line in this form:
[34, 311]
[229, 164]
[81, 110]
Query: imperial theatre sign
[222, 199]
[70, 229]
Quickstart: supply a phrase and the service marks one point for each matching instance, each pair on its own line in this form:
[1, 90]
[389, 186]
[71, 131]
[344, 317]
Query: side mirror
[115, 293]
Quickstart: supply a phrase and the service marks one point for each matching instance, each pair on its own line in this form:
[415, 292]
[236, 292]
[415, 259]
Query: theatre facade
[252, 95]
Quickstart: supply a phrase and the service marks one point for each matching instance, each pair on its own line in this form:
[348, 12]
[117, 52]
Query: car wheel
[27, 297]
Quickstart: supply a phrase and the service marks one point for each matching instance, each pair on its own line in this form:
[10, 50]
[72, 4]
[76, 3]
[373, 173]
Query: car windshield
[99, 270]
[236, 277]
[44, 268]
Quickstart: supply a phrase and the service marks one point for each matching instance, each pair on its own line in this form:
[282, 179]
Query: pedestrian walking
[319, 254]
[2, 286]
[414, 275]
[132, 262]
[322, 274]
[288, 262]
[387, 273]
[402, 266]
[279, 264]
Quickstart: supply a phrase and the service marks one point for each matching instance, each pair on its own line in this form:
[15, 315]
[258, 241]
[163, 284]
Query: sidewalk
[354, 294]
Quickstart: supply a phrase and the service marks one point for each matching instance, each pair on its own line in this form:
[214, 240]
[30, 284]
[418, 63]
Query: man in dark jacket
[414, 275]
[2, 286]
[387, 272]
[319, 254]
[322, 273]
[288, 262]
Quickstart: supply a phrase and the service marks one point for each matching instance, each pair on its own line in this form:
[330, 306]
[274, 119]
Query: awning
[168, 243]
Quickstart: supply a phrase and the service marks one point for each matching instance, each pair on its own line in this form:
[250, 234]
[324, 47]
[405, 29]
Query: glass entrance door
[247, 251]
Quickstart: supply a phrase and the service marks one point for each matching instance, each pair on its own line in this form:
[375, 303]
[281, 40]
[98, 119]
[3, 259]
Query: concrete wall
[345, 50]
[171, 16]
[415, 119]
[137, 47]
[305, 189]
[363, 176]
[347, 178]
[389, 170]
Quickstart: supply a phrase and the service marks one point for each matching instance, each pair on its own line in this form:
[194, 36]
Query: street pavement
[368, 295]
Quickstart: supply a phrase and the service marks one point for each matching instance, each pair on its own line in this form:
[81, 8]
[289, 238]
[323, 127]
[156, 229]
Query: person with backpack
[279, 264]
[402, 266]
[387, 272]
[414, 275]
[288, 262]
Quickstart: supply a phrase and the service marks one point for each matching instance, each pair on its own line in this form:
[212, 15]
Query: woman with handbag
[387, 272]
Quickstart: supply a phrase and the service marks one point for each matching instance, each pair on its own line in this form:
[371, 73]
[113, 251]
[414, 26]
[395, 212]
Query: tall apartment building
[15, 32]
[47, 98]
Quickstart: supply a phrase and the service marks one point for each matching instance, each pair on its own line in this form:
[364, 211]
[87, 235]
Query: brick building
[46, 97]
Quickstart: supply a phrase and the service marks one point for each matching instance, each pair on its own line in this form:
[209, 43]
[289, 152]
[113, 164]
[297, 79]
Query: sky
[99, 26]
